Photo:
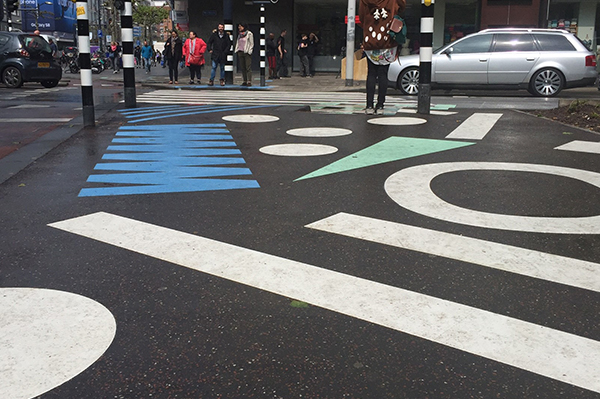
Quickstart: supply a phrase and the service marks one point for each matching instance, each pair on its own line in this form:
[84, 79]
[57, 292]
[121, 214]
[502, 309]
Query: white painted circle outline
[397, 121]
[319, 132]
[250, 118]
[410, 188]
[298, 150]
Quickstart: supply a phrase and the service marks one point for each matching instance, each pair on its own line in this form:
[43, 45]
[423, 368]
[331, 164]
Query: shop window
[461, 18]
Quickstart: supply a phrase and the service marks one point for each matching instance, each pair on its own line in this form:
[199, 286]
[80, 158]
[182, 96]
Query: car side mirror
[449, 51]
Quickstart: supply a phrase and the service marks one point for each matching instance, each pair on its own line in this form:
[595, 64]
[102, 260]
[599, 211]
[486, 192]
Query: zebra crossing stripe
[476, 127]
[545, 351]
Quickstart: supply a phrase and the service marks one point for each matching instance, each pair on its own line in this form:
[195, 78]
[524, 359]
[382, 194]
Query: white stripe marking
[427, 25]
[581, 146]
[425, 54]
[542, 350]
[555, 268]
[25, 120]
[475, 127]
[86, 77]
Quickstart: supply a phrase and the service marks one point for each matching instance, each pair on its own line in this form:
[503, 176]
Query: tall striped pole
[128, 63]
[425, 54]
[263, 46]
[228, 22]
[8, 16]
[350, 35]
[87, 88]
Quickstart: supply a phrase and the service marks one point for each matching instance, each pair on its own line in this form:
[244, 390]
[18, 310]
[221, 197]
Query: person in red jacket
[376, 17]
[193, 53]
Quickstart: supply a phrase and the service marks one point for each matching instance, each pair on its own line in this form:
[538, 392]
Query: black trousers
[173, 69]
[377, 74]
[195, 70]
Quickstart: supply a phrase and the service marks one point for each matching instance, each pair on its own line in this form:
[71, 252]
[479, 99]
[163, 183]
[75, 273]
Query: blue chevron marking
[164, 157]
[165, 148]
[165, 178]
[177, 186]
[159, 166]
[216, 109]
[173, 139]
[178, 127]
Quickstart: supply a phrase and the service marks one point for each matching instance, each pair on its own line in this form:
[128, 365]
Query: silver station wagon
[543, 61]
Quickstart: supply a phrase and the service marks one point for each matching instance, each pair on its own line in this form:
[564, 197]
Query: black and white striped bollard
[128, 60]
[263, 46]
[425, 54]
[85, 64]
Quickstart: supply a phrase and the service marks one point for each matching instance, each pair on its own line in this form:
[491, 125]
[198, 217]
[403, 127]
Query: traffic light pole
[87, 88]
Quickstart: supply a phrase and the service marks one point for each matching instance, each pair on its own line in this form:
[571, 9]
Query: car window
[514, 42]
[35, 43]
[3, 40]
[554, 43]
[473, 44]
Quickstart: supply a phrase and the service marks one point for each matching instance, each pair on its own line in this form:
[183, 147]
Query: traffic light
[119, 5]
[12, 6]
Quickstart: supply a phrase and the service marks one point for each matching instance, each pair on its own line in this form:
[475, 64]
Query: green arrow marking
[388, 150]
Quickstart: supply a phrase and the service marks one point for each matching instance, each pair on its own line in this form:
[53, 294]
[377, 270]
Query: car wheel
[49, 83]
[546, 83]
[408, 81]
[12, 77]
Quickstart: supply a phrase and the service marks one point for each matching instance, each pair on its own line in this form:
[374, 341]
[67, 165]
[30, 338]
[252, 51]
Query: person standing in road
[219, 46]
[381, 47]
[114, 54]
[173, 54]
[243, 48]
[272, 56]
[146, 55]
[281, 56]
[303, 54]
[53, 47]
[193, 52]
[313, 42]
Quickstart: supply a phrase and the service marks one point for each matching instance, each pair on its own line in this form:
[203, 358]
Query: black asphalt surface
[186, 334]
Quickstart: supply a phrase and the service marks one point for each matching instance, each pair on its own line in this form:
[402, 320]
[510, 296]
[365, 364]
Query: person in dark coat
[272, 56]
[219, 46]
[173, 54]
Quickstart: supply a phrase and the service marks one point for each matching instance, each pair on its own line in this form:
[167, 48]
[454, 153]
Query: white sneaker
[379, 111]
[370, 111]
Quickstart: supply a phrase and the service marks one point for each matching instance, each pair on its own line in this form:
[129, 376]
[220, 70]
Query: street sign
[137, 31]
[100, 33]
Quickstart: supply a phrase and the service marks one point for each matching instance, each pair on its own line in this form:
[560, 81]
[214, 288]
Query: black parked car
[27, 58]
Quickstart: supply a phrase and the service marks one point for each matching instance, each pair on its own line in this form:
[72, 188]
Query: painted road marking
[538, 349]
[298, 150]
[388, 150]
[28, 106]
[176, 158]
[591, 147]
[397, 121]
[35, 120]
[192, 111]
[251, 118]
[319, 132]
[47, 337]
[476, 127]
[541, 265]
[410, 188]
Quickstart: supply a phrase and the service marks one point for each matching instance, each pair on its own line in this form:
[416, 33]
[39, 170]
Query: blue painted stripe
[172, 139]
[158, 166]
[168, 111]
[184, 134]
[164, 157]
[166, 148]
[200, 112]
[130, 111]
[175, 127]
[179, 186]
[167, 177]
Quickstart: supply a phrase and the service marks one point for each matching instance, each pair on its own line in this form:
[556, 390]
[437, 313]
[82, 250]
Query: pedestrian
[193, 53]
[313, 42]
[53, 47]
[243, 48]
[146, 54]
[380, 47]
[282, 70]
[114, 54]
[219, 46]
[137, 54]
[173, 54]
[303, 55]
[272, 56]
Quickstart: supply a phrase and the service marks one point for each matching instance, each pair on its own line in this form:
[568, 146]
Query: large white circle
[298, 150]
[319, 132]
[48, 337]
[397, 121]
[410, 188]
[250, 118]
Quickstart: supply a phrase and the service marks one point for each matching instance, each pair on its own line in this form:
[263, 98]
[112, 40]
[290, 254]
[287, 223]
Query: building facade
[327, 19]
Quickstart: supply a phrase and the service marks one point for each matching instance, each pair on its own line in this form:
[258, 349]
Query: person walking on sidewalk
[379, 45]
[243, 48]
[219, 46]
[272, 56]
[282, 70]
[313, 42]
[173, 54]
[303, 54]
[114, 54]
[193, 52]
[146, 54]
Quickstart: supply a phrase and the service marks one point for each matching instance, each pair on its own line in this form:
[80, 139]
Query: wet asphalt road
[182, 331]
